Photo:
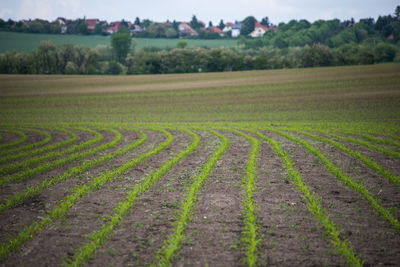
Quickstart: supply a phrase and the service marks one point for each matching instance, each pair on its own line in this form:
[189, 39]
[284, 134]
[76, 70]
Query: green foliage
[248, 25]
[114, 68]
[121, 43]
[181, 44]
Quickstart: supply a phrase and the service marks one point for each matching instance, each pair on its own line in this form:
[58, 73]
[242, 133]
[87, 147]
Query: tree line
[48, 58]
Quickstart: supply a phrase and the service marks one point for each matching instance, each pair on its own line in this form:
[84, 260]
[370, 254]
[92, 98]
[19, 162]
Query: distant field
[26, 41]
[296, 167]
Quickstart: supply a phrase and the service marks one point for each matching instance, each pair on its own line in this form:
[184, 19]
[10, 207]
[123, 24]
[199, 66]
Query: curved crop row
[21, 140]
[341, 245]
[250, 236]
[376, 140]
[44, 149]
[32, 191]
[24, 165]
[173, 242]
[47, 139]
[99, 237]
[68, 202]
[367, 144]
[395, 179]
[345, 179]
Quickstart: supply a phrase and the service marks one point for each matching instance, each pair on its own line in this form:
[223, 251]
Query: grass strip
[35, 190]
[367, 144]
[250, 238]
[68, 202]
[47, 138]
[27, 172]
[98, 238]
[21, 140]
[45, 149]
[345, 179]
[373, 165]
[340, 245]
[24, 165]
[174, 240]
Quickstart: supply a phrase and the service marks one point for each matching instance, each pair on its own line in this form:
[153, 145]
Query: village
[249, 27]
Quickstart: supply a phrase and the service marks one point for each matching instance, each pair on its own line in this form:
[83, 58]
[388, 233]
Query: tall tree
[210, 24]
[397, 13]
[121, 43]
[221, 25]
[265, 22]
[194, 23]
[137, 21]
[248, 25]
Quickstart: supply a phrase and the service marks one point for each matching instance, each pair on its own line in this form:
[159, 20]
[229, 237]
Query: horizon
[284, 11]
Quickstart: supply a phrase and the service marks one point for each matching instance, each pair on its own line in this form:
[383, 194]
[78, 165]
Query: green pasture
[25, 42]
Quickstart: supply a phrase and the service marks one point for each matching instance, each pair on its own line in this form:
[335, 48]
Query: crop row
[251, 238]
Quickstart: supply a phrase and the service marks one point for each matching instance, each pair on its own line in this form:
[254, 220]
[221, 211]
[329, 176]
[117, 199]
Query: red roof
[91, 23]
[390, 37]
[113, 26]
[229, 24]
[259, 25]
[215, 29]
[201, 22]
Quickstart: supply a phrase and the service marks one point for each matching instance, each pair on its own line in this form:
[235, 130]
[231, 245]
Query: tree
[121, 43]
[221, 25]
[98, 29]
[210, 24]
[265, 21]
[82, 27]
[137, 21]
[397, 13]
[181, 44]
[248, 25]
[194, 23]
[171, 33]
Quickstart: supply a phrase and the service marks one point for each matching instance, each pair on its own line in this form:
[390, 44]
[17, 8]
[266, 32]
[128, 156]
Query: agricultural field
[26, 42]
[293, 167]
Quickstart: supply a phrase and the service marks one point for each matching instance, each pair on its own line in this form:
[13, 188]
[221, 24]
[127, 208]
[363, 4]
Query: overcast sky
[205, 10]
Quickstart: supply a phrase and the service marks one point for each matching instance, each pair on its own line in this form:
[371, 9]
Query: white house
[236, 29]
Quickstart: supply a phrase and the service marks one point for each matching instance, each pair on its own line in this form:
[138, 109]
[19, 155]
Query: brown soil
[89, 213]
[371, 237]
[15, 219]
[289, 235]
[150, 222]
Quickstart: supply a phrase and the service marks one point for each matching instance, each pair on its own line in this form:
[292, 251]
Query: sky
[205, 10]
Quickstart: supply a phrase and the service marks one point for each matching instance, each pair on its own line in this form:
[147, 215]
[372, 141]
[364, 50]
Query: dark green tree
[221, 25]
[194, 23]
[82, 27]
[137, 21]
[210, 24]
[98, 29]
[248, 25]
[397, 13]
[265, 21]
[121, 43]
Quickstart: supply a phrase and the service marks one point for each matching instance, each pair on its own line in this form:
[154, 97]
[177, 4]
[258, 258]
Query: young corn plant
[60, 210]
[47, 139]
[345, 179]
[22, 139]
[340, 245]
[24, 165]
[35, 190]
[45, 149]
[251, 237]
[186, 207]
[99, 237]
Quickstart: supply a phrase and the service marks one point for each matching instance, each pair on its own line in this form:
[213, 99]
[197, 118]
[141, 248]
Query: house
[91, 24]
[216, 30]
[201, 22]
[113, 28]
[136, 29]
[236, 29]
[63, 23]
[259, 30]
[228, 27]
[185, 29]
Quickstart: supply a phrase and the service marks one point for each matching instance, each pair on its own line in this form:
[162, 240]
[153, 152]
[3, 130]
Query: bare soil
[289, 235]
